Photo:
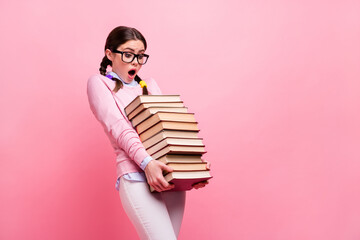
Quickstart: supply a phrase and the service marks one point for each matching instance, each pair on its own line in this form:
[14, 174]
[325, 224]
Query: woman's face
[127, 71]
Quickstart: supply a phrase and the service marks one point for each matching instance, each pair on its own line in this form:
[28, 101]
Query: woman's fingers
[208, 165]
[160, 184]
[165, 167]
[154, 175]
[200, 184]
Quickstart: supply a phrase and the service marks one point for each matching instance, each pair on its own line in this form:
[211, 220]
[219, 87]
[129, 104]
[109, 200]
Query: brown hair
[118, 36]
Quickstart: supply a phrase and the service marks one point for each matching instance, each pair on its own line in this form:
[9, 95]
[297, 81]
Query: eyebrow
[142, 50]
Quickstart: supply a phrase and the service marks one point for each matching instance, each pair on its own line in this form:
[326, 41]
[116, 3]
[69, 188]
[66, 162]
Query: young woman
[155, 215]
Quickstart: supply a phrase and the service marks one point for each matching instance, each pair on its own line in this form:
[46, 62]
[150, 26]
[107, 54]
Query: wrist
[150, 163]
[145, 162]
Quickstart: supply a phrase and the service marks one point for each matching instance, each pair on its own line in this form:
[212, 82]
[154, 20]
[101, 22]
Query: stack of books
[170, 135]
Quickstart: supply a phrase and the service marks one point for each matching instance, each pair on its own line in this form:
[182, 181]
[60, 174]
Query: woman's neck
[132, 83]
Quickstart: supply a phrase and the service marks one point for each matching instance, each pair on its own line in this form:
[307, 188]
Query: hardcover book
[150, 98]
[168, 134]
[184, 181]
[143, 106]
[165, 116]
[174, 149]
[152, 110]
[165, 125]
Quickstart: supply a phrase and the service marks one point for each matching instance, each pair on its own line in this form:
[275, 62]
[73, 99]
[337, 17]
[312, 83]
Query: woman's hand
[153, 172]
[200, 184]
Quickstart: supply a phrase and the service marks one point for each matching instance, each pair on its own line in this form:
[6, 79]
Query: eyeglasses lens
[142, 59]
[129, 57]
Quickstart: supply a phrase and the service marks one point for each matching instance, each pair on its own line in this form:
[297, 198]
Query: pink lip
[132, 76]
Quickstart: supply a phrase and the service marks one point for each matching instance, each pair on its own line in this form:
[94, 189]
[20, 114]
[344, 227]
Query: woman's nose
[134, 61]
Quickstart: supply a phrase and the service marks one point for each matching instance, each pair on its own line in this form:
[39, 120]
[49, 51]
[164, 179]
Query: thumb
[166, 168]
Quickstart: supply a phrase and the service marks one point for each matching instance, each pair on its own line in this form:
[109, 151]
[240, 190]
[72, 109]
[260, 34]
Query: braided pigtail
[142, 84]
[103, 66]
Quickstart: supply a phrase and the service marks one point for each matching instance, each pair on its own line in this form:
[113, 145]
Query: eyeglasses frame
[135, 56]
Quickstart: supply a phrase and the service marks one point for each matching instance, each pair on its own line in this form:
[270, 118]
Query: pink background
[274, 85]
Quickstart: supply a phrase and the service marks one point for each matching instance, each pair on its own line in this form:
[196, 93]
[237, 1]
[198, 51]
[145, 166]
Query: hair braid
[145, 91]
[103, 66]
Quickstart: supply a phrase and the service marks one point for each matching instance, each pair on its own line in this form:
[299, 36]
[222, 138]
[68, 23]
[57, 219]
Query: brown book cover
[166, 125]
[174, 149]
[165, 116]
[184, 167]
[144, 106]
[150, 98]
[184, 181]
[168, 133]
[175, 141]
[152, 110]
[180, 158]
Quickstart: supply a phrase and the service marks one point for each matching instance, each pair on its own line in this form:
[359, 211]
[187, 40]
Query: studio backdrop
[274, 86]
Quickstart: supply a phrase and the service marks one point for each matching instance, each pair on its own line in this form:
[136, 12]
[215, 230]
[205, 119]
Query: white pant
[156, 216]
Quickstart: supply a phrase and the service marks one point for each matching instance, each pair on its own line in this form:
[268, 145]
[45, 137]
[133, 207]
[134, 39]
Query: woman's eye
[140, 56]
[128, 55]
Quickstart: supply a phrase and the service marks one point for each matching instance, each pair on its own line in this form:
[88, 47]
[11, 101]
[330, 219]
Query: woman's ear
[109, 54]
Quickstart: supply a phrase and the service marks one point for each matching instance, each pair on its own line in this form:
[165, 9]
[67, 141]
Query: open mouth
[132, 72]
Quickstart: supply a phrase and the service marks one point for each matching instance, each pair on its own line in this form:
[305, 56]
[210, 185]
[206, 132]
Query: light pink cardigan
[108, 108]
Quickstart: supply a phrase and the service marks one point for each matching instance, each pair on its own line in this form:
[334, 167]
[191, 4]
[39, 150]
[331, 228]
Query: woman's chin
[129, 79]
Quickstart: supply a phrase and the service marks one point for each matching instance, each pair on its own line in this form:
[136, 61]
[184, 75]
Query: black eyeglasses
[128, 57]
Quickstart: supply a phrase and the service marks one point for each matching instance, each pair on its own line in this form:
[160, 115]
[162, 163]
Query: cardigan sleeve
[118, 128]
